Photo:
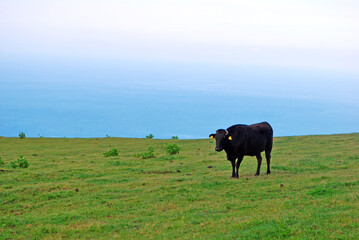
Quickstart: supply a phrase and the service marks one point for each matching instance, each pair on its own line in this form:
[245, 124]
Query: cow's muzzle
[218, 149]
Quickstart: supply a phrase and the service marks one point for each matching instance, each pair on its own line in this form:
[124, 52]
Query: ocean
[174, 103]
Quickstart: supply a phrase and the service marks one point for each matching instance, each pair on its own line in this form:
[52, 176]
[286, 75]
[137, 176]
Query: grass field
[72, 191]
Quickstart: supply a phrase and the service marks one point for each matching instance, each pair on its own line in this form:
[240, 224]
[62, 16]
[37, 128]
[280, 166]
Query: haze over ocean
[49, 100]
[180, 68]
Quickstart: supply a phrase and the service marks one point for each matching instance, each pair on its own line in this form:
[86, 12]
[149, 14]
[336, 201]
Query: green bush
[21, 162]
[111, 153]
[150, 136]
[172, 149]
[174, 137]
[22, 135]
[146, 155]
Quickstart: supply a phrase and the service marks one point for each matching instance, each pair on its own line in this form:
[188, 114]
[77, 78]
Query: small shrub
[22, 135]
[150, 136]
[172, 149]
[21, 162]
[13, 164]
[112, 152]
[146, 155]
[174, 137]
[1, 162]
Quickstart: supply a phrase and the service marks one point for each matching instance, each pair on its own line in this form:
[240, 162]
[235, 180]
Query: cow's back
[254, 138]
[263, 129]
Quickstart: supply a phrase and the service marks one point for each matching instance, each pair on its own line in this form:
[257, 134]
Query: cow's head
[222, 137]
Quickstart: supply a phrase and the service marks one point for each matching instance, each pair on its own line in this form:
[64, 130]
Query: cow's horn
[226, 132]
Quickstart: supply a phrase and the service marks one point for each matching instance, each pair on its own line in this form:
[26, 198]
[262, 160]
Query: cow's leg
[240, 158]
[233, 168]
[259, 162]
[268, 160]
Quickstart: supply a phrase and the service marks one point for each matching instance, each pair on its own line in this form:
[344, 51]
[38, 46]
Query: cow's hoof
[257, 174]
[268, 172]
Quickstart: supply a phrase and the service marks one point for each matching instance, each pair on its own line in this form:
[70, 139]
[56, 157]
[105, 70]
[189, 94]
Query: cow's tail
[270, 140]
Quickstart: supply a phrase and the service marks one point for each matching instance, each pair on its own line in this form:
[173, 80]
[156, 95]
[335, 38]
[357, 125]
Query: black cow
[245, 140]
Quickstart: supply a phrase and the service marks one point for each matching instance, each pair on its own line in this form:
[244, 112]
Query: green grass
[71, 191]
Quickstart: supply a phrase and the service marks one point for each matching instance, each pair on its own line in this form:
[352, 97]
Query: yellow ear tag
[230, 138]
[211, 137]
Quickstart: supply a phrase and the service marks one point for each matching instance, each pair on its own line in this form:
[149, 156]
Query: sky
[316, 34]
[303, 50]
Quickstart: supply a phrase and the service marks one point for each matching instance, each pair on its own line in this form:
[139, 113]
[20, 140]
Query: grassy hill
[72, 191]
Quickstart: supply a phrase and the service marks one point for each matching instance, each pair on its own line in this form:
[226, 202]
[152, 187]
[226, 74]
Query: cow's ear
[212, 135]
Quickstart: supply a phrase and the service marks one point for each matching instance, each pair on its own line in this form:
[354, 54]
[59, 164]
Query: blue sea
[185, 100]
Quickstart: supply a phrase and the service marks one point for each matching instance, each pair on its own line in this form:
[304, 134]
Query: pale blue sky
[315, 34]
